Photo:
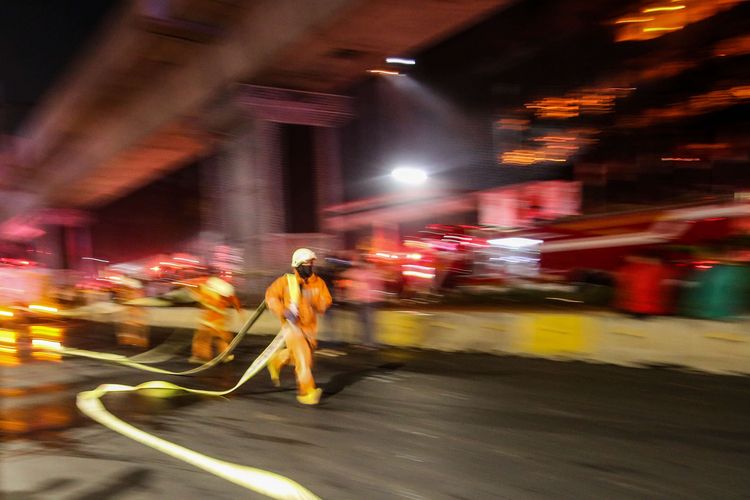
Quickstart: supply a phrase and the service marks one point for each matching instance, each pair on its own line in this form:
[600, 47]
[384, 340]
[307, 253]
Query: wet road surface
[392, 424]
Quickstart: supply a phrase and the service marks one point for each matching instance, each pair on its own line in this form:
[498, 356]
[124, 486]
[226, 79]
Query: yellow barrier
[558, 334]
[401, 328]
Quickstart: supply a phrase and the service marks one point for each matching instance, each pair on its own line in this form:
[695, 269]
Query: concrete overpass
[166, 81]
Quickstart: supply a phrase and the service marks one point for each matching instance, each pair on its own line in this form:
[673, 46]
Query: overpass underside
[171, 82]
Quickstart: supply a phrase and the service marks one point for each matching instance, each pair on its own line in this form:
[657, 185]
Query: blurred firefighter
[215, 295]
[297, 299]
[363, 291]
[132, 329]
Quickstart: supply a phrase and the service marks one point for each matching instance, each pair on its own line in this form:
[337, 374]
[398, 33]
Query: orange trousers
[210, 332]
[132, 329]
[298, 353]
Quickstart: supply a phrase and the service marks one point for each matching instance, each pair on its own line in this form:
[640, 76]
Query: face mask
[305, 271]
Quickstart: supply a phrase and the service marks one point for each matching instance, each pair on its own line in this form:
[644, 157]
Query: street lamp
[409, 175]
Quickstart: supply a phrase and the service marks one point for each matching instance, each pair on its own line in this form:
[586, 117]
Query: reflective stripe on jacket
[314, 299]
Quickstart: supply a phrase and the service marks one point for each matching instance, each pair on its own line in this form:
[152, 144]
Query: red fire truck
[589, 242]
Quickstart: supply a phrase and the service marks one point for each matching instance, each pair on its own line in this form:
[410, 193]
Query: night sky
[38, 39]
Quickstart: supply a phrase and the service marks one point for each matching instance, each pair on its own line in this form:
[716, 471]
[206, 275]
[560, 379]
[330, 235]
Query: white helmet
[302, 255]
[220, 286]
[131, 283]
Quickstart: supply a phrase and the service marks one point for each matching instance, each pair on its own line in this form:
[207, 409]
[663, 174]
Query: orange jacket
[208, 298]
[215, 306]
[314, 299]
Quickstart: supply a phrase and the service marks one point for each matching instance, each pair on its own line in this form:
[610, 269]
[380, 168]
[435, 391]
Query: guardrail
[601, 337]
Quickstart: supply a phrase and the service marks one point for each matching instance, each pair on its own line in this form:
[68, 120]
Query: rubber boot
[311, 398]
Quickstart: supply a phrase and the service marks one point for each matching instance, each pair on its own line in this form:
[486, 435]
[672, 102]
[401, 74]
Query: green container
[719, 292]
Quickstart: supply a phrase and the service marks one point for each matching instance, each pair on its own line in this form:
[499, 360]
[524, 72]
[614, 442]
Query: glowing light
[514, 242]
[49, 345]
[400, 60]
[695, 105]
[740, 92]
[663, 9]
[584, 101]
[414, 256]
[6, 314]
[95, 259]
[512, 124]
[415, 267]
[36, 307]
[706, 264]
[664, 18]
[561, 299]
[529, 157]
[8, 336]
[662, 28]
[46, 331]
[155, 268]
[419, 274]
[409, 175]
[384, 72]
[555, 138]
[515, 259]
[680, 159]
[385, 255]
[634, 20]
[192, 261]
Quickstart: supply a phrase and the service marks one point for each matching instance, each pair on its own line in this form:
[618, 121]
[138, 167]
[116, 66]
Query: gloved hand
[291, 315]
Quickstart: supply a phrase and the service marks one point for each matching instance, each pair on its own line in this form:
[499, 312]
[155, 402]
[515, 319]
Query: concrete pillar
[66, 238]
[77, 240]
[49, 247]
[211, 194]
[251, 183]
[211, 233]
[328, 181]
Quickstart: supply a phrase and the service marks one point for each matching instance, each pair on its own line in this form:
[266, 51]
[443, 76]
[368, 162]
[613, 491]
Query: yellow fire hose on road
[261, 481]
[264, 482]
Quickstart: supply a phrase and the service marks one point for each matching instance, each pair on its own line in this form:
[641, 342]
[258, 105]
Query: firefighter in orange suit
[215, 295]
[132, 329]
[297, 299]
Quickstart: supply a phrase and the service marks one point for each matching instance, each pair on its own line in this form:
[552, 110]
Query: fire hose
[261, 481]
[142, 361]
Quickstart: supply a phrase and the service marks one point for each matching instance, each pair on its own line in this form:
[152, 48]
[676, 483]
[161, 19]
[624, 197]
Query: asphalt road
[392, 424]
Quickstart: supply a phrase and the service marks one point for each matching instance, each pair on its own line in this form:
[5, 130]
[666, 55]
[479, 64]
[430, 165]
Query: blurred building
[189, 125]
